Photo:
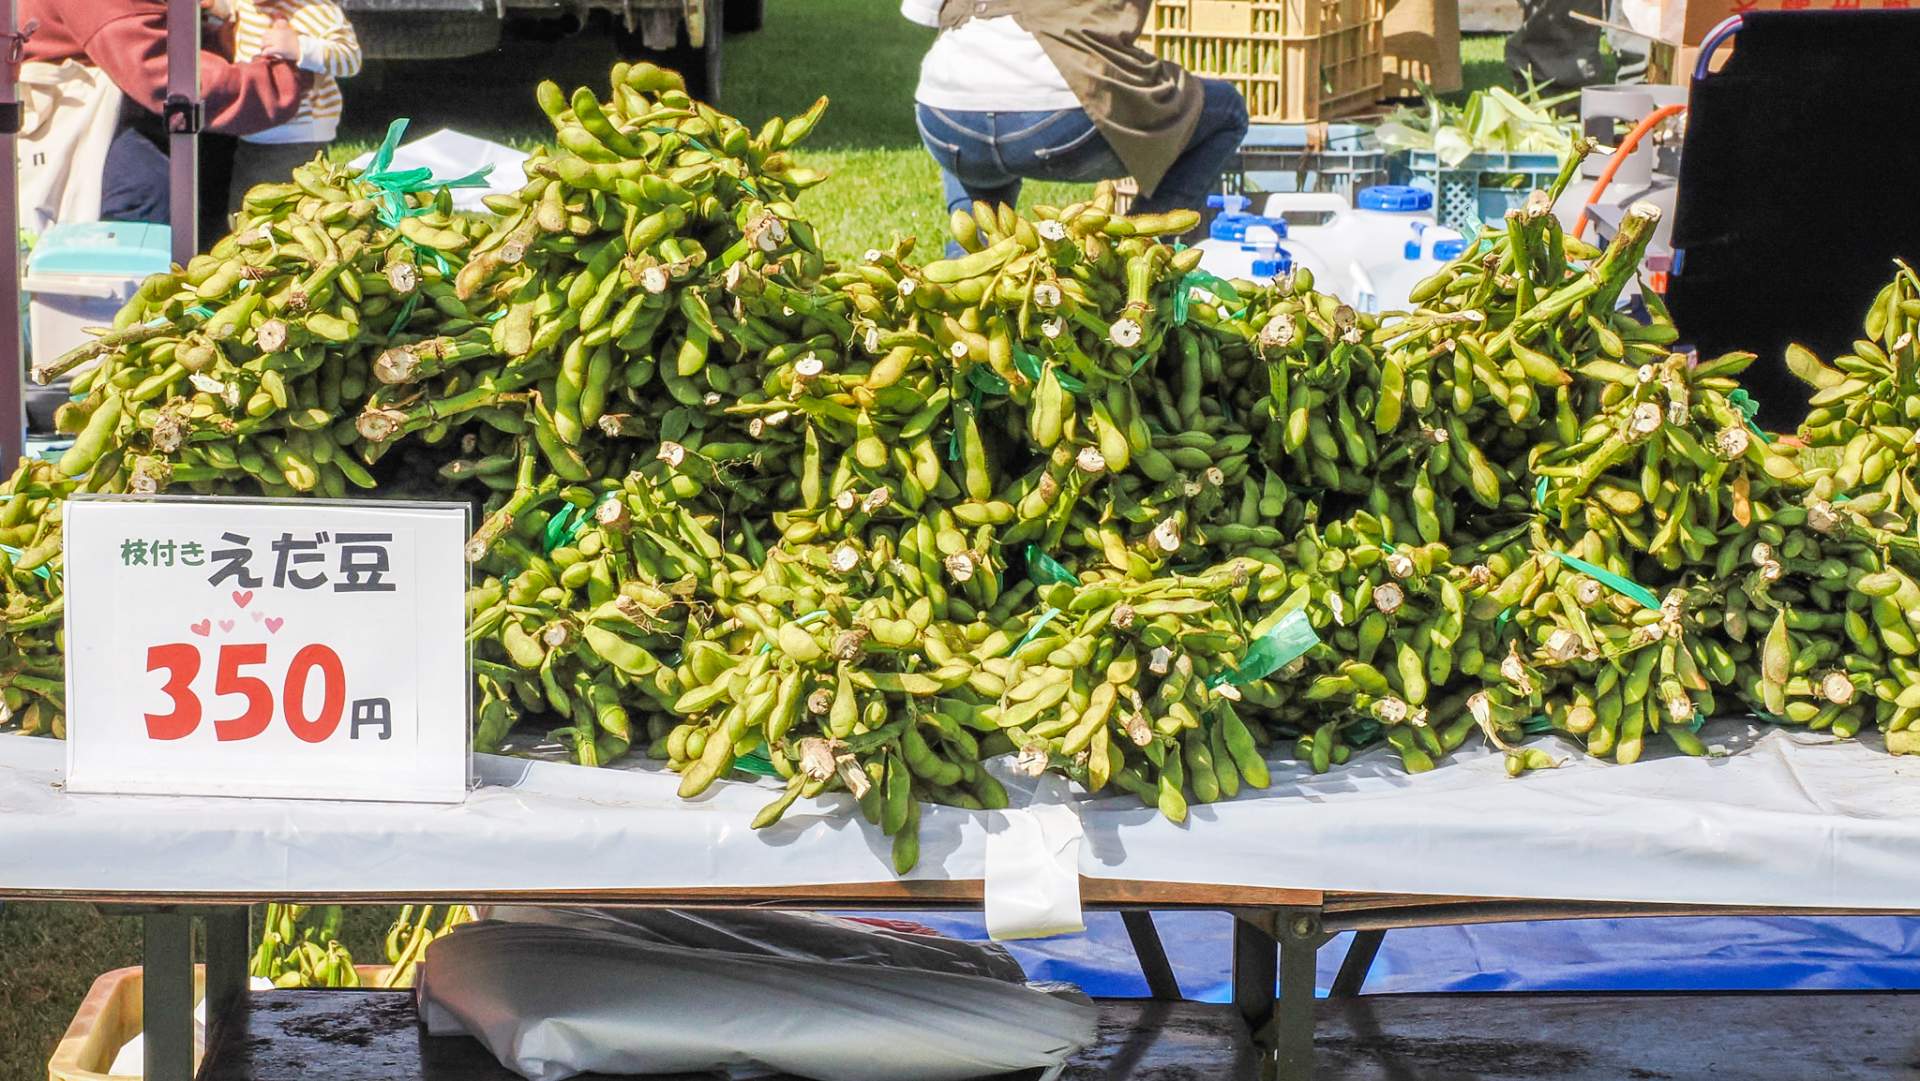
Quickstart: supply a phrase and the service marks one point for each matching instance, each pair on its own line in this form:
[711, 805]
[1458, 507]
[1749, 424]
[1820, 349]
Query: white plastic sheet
[583, 992]
[1787, 819]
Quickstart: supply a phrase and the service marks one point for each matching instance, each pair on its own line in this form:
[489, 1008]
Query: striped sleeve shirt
[328, 49]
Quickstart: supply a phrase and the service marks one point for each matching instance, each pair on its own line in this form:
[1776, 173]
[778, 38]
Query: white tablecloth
[1786, 819]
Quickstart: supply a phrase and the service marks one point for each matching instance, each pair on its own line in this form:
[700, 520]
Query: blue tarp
[1693, 954]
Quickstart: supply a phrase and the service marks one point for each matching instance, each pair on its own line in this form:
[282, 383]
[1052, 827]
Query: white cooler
[78, 276]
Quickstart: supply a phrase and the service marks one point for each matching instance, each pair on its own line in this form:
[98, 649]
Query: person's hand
[219, 9]
[281, 41]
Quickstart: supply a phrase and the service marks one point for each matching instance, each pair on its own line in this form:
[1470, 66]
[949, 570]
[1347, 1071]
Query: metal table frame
[1278, 934]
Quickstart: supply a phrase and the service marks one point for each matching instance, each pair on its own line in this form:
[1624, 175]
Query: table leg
[1300, 942]
[1358, 962]
[227, 955]
[1255, 968]
[1161, 982]
[167, 995]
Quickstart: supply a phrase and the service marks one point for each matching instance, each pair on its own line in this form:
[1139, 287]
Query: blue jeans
[983, 157]
[134, 181]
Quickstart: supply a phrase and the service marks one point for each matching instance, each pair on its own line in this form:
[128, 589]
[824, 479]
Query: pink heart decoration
[242, 597]
[274, 623]
[226, 624]
[204, 627]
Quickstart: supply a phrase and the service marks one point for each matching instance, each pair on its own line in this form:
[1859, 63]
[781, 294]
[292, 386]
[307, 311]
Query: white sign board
[228, 647]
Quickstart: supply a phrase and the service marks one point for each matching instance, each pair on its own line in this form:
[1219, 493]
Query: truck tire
[425, 35]
[700, 67]
[743, 16]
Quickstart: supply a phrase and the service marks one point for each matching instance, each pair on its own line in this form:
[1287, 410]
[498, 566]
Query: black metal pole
[1162, 984]
[183, 115]
[167, 995]
[1358, 962]
[227, 942]
[13, 417]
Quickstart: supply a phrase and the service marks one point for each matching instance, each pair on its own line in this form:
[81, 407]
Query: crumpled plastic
[614, 993]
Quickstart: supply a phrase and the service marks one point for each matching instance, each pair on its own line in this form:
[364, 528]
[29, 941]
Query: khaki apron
[1146, 107]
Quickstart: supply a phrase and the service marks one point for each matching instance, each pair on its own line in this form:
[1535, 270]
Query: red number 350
[181, 661]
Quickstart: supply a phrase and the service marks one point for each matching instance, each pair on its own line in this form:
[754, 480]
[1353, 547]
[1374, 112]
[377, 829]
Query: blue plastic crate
[1481, 189]
[1340, 158]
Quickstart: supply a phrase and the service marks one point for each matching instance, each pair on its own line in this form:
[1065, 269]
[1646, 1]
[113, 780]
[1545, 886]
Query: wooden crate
[1295, 61]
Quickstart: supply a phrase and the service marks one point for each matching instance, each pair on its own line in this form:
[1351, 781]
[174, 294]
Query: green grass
[860, 53]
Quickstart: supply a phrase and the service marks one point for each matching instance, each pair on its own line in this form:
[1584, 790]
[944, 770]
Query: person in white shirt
[1057, 90]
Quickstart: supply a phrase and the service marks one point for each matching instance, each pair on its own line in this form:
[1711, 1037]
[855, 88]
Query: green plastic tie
[986, 380]
[16, 553]
[1046, 570]
[1029, 366]
[1749, 409]
[1033, 632]
[561, 528]
[1626, 587]
[201, 310]
[1536, 725]
[1500, 621]
[1208, 283]
[1540, 491]
[1289, 639]
[394, 185]
[758, 761]
[1698, 720]
[406, 313]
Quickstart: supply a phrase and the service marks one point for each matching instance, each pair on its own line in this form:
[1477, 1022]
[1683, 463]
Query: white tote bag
[70, 113]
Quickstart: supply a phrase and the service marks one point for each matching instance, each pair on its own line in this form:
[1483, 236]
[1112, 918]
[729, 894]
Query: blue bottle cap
[1272, 266]
[1398, 198]
[1233, 226]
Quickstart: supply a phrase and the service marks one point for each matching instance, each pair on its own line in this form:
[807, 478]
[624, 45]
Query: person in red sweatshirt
[127, 41]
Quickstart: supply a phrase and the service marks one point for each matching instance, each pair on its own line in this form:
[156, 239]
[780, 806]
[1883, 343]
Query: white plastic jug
[1250, 246]
[1373, 253]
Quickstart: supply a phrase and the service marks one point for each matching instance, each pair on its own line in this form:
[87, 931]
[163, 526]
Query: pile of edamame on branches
[1065, 498]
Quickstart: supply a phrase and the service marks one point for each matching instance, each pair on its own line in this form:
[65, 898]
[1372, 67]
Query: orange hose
[1625, 148]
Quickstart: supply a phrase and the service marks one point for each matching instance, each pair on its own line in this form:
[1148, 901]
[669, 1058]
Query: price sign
[229, 647]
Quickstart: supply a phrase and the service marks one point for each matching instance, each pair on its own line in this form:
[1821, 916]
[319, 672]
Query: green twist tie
[1033, 632]
[1029, 366]
[1540, 491]
[1289, 639]
[1698, 721]
[201, 310]
[1536, 725]
[1749, 409]
[562, 528]
[1769, 717]
[1046, 570]
[1626, 587]
[1500, 621]
[406, 313]
[392, 186]
[758, 762]
[986, 380]
[1182, 294]
[16, 553]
